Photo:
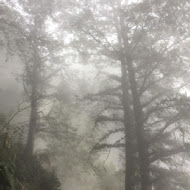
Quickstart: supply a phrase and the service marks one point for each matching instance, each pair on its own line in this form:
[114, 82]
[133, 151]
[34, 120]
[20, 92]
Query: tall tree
[35, 59]
[143, 38]
[33, 44]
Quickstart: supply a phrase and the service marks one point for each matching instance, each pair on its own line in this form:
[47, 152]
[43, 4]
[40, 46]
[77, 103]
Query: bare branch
[13, 116]
[171, 152]
[102, 118]
[168, 124]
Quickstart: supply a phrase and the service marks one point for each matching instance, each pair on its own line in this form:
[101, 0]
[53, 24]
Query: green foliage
[17, 172]
[7, 179]
[31, 173]
[49, 181]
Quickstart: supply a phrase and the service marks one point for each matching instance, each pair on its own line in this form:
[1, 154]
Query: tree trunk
[129, 134]
[34, 76]
[138, 113]
[128, 115]
[33, 115]
[140, 133]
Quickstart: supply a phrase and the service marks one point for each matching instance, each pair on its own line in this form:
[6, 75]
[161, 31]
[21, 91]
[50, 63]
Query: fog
[94, 95]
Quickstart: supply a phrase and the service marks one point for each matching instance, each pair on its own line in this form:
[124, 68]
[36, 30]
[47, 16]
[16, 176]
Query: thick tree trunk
[138, 113]
[34, 112]
[128, 115]
[129, 134]
[34, 76]
[140, 133]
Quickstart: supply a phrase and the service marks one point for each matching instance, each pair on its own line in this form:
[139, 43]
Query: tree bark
[33, 115]
[140, 133]
[138, 112]
[34, 76]
[128, 115]
[129, 134]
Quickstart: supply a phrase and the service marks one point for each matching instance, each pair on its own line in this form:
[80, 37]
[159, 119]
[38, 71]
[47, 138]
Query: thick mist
[94, 95]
